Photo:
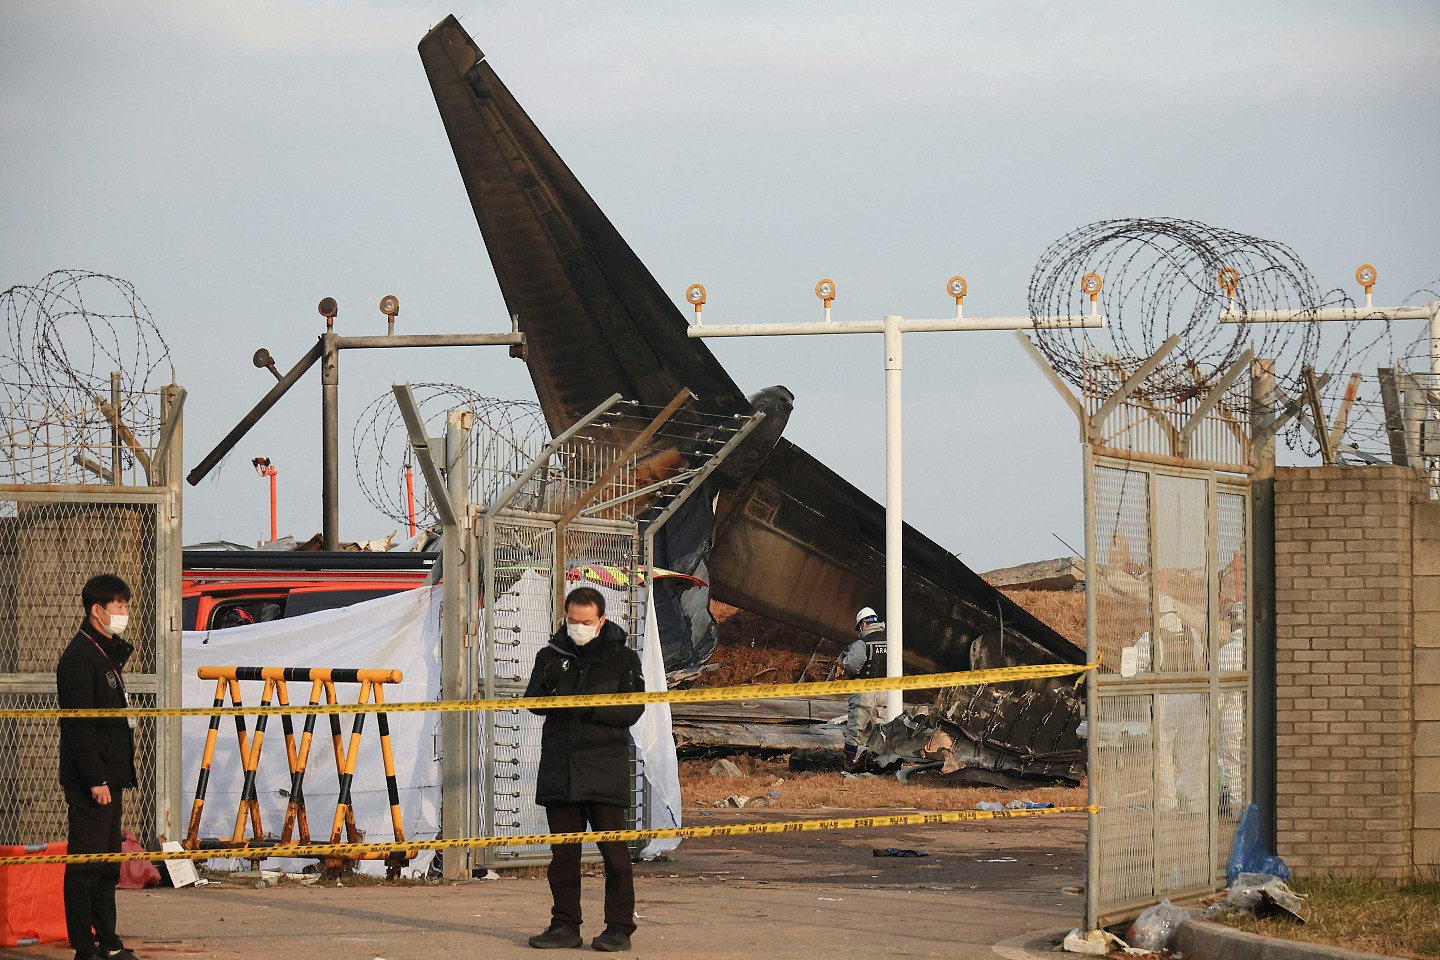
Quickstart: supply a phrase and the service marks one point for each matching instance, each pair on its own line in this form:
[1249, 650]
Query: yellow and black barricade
[322, 681]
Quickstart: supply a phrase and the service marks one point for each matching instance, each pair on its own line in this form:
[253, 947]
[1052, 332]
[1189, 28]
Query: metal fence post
[168, 582]
[1262, 564]
[1092, 700]
[330, 440]
[454, 673]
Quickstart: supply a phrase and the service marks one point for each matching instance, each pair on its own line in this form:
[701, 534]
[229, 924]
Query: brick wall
[1345, 619]
[1426, 565]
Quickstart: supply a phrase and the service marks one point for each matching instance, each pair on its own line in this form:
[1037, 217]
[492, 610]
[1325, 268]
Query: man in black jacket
[584, 775]
[97, 763]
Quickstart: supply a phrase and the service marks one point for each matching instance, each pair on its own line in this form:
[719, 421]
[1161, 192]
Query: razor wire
[1354, 389]
[64, 339]
[1161, 277]
[509, 435]
[506, 431]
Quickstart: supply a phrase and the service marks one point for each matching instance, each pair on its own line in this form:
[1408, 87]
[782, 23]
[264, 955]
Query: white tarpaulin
[655, 741]
[399, 632]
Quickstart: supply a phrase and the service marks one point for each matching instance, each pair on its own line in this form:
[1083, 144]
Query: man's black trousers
[90, 887]
[564, 873]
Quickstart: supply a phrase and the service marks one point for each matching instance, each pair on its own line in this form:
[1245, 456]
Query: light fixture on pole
[825, 290]
[695, 294]
[390, 306]
[1366, 276]
[264, 468]
[957, 287]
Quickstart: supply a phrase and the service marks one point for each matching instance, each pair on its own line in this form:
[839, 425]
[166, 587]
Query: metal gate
[1169, 458]
[56, 533]
[523, 518]
[519, 556]
[1168, 708]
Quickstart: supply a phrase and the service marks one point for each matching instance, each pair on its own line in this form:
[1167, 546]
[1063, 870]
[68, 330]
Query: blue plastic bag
[1250, 854]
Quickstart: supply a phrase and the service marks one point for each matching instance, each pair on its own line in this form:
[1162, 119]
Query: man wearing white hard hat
[862, 660]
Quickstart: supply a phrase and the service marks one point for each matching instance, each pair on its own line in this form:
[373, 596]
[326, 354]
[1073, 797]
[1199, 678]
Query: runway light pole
[893, 327]
[264, 468]
[410, 492]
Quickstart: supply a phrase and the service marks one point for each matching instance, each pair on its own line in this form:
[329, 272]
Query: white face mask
[581, 633]
[118, 623]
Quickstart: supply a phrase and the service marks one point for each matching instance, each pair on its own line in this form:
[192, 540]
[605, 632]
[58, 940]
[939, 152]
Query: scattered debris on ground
[772, 779]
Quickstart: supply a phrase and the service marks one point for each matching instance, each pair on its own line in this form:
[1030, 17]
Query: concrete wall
[1426, 669]
[1346, 614]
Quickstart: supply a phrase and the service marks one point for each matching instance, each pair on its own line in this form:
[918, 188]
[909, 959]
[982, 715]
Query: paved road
[775, 897]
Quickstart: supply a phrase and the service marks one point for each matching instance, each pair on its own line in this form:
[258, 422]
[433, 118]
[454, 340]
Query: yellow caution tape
[769, 691]
[356, 850]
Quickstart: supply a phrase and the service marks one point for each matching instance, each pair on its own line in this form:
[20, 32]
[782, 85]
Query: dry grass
[756, 650]
[1063, 611]
[811, 791]
[1376, 916]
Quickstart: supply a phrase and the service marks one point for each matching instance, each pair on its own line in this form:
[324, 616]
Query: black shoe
[120, 953]
[611, 941]
[557, 936]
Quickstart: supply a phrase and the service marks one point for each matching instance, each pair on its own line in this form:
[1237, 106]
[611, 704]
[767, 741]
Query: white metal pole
[894, 516]
[1325, 314]
[893, 328]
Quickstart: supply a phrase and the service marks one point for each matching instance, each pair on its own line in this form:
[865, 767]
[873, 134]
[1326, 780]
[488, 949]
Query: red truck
[230, 588]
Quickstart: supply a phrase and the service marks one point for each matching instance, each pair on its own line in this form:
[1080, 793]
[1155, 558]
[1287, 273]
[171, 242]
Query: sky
[238, 161]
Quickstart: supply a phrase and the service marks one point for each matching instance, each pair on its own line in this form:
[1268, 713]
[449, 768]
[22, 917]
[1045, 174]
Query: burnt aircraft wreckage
[778, 533]
[788, 538]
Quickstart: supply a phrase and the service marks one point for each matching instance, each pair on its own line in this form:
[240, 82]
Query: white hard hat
[867, 622]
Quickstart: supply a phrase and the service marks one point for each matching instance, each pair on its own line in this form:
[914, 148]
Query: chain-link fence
[86, 490]
[50, 544]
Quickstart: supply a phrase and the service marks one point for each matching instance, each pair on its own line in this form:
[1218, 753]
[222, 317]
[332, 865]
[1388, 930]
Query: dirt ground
[779, 896]
[772, 783]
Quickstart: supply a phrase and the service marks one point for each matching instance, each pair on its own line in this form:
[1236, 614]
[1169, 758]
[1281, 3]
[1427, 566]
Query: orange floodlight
[957, 287]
